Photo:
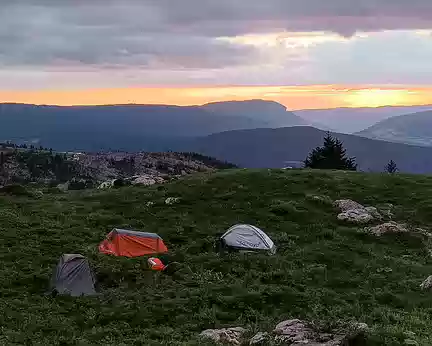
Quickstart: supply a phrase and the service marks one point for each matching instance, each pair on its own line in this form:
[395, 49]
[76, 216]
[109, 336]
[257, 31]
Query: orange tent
[121, 242]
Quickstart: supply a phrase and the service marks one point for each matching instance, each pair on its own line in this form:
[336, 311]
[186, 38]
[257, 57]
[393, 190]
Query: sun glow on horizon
[293, 97]
[379, 97]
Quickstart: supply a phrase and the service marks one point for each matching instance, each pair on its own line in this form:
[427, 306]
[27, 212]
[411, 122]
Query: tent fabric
[247, 237]
[128, 243]
[156, 264]
[73, 276]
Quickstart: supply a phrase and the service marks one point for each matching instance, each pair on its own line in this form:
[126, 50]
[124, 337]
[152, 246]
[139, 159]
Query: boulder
[427, 284]
[63, 187]
[294, 331]
[354, 212]
[356, 216]
[347, 204]
[259, 338]
[232, 336]
[388, 227]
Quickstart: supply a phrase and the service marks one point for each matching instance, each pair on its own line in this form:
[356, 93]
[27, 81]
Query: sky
[305, 54]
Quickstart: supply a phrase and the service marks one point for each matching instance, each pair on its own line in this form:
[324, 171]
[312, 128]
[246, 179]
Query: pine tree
[391, 167]
[332, 155]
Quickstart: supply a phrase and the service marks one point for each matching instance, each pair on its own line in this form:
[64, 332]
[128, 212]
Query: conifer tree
[332, 155]
[391, 167]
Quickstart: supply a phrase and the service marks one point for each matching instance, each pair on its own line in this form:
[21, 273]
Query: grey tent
[73, 276]
[247, 238]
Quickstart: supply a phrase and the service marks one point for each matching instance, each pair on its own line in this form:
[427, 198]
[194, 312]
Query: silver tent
[247, 238]
[73, 276]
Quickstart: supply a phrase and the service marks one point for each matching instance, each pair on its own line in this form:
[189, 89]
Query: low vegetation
[325, 271]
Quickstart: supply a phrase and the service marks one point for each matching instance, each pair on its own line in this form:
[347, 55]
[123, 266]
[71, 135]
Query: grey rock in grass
[388, 227]
[231, 336]
[427, 284]
[354, 212]
[259, 338]
[172, 200]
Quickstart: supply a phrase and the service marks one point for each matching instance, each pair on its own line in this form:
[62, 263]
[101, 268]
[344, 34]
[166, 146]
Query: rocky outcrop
[297, 332]
[293, 332]
[354, 212]
[388, 227]
[232, 336]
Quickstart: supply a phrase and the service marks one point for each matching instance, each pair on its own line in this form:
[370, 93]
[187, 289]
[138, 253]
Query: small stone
[172, 200]
[427, 284]
[38, 194]
[410, 334]
[259, 338]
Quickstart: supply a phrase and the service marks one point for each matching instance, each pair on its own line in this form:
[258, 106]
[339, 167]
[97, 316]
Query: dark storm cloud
[179, 34]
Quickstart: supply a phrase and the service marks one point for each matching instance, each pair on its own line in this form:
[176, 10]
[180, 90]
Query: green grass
[325, 271]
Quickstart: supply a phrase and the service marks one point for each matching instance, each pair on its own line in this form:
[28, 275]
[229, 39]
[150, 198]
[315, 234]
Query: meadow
[325, 271]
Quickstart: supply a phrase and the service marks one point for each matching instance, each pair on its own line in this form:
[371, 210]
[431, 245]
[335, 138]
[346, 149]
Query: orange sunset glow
[293, 97]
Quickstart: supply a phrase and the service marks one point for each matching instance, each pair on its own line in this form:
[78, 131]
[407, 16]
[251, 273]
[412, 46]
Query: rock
[37, 194]
[360, 326]
[107, 184]
[150, 204]
[427, 284]
[347, 204]
[172, 200]
[374, 212]
[146, 180]
[297, 332]
[386, 210]
[63, 187]
[423, 232]
[354, 212]
[356, 216]
[388, 227]
[259, 338]
[294, 331]
[231, 336]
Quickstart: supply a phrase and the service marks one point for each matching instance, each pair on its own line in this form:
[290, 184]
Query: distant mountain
[413, 129]
[351, 120]
[277, 148]
[273, 114]
[133, 127]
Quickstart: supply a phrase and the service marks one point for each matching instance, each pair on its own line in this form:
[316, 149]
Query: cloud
[52, 43]
[180, 33]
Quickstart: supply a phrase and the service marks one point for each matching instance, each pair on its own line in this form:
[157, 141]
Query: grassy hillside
[324, 270]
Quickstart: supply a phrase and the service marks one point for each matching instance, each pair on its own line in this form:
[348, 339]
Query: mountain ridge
[413, 128]
[273, 148]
